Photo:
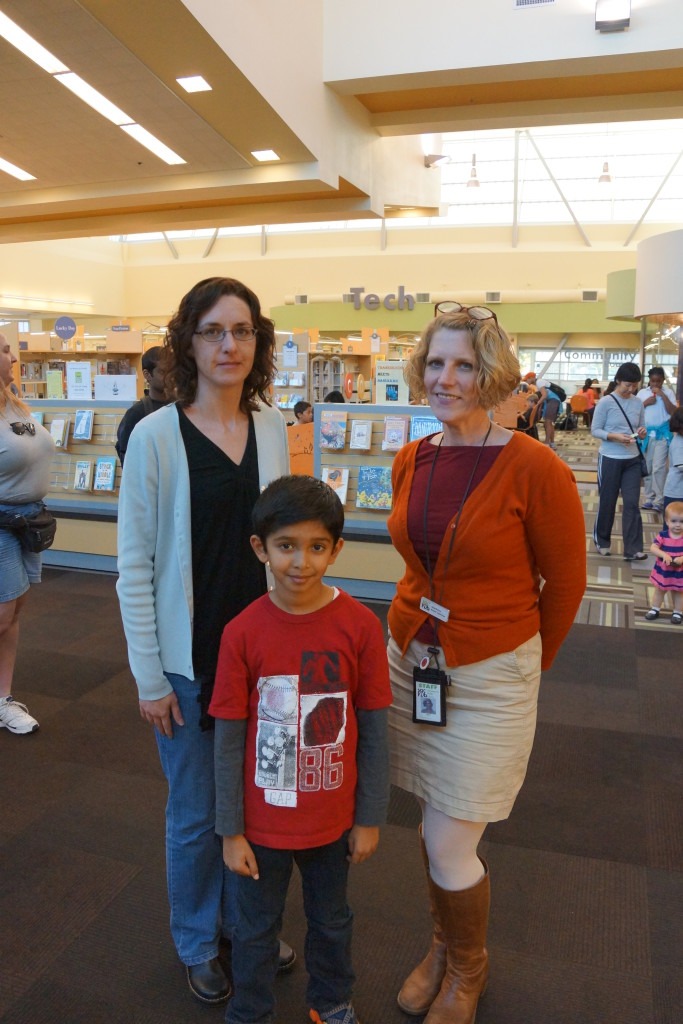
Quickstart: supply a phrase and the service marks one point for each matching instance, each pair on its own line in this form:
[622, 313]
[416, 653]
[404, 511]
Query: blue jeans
[260, 906]
[200, 887]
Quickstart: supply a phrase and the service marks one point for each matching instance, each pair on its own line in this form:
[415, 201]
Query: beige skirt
[472, 768]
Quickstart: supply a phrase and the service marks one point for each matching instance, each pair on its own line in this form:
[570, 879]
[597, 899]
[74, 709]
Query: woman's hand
[621, 438]
[642, 433]
[239, 856]
[363, 841]
[160, 712]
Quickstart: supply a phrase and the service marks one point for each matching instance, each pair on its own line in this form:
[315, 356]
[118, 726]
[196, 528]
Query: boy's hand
[239, 856]
[363, 841]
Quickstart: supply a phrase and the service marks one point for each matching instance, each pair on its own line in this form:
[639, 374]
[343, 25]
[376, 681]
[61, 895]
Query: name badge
[436, 610]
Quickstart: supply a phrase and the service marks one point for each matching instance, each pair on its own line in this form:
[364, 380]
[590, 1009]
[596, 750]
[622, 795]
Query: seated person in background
[153, 400]
[334, 396]
[303, 412]
[301, 751]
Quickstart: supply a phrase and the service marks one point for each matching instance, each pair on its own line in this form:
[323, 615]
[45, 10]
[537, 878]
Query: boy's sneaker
[15, 717]
[344, 1014]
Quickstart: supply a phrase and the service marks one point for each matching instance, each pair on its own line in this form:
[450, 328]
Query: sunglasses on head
[23, 428]
[476, 312]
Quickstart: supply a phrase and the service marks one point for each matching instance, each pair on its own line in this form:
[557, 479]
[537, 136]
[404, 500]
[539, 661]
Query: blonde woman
[481, 516]
[26, 451]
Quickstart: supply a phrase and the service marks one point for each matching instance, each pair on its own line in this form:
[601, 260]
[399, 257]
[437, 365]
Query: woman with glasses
[26, 451]
[192, 473]
[491, 529]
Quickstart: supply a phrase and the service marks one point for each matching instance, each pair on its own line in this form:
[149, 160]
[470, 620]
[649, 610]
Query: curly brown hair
[497, 365]
[178, 364]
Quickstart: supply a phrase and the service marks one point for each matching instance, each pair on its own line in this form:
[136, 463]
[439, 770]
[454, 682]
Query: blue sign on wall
[65, 327]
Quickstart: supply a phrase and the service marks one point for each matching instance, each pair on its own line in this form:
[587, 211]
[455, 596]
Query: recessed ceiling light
[28, 46]
[145, 138]
[194, 83]
[264, 154]
[94, 98]
[15, 171]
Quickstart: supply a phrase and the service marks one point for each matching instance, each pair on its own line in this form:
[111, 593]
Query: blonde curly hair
[497, 365]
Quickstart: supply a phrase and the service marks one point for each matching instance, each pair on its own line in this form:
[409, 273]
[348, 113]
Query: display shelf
[39, 352]
[63, 495]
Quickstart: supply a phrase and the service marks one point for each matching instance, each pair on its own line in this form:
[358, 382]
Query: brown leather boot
[421, 987]
[464, 919]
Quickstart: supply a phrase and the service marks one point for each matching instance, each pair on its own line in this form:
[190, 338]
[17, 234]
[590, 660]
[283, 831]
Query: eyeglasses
[23, 428]
[476, 312]
[214, 334]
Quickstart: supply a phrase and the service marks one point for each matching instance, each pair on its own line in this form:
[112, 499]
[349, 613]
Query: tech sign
[393, 301]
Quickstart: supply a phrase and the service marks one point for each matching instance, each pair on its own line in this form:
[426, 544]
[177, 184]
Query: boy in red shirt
[300, 700]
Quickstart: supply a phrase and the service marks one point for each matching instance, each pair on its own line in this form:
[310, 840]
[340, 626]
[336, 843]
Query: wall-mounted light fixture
[436, 159]
[473, 179]
[612, 15]
[605, 178]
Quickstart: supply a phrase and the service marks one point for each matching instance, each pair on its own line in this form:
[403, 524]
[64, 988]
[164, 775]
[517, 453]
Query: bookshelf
[42, 352]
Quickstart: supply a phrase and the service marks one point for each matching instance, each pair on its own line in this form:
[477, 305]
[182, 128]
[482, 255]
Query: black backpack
[560, 392]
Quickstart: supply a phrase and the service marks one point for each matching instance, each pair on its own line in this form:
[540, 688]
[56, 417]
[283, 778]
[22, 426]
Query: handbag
[35, 533]
[643, 463]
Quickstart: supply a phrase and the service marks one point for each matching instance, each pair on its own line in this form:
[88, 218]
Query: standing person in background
[26, 451]
[673, 485]
[659, 403]
[551, 409]
[478, 513]
[589, 394]
[619, 422]
[153, 400]
[193, 471]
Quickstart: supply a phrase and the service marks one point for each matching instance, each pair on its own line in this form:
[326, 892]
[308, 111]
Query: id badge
[429, 696]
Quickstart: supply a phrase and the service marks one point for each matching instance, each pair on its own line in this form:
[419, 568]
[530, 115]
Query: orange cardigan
[524, 521]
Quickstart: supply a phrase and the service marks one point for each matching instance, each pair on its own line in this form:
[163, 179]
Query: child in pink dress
[667, 573]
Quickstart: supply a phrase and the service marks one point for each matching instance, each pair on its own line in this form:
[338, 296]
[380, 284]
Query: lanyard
[434, 650]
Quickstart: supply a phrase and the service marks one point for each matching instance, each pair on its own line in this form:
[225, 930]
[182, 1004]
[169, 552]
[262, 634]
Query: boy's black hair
[300, 407]
[151, 357]
[334, 396]
[297, 499]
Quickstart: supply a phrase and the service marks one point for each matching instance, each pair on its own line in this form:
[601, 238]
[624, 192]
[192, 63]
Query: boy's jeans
[200, 887]
[260, 906]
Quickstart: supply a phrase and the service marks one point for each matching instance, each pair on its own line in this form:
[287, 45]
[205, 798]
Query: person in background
[334, 396]
[552, 403]
[673, 485]
[477, 517]
[589, 394]
[659, 403]
[619, 422]
[303, 411]
[26, 451]
[192, 473]
[153, 400]
[667, 574]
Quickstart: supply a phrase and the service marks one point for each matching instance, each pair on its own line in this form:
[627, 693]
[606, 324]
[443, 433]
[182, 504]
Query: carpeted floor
[586, 874]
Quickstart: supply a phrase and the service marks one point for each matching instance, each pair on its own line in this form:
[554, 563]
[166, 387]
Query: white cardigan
[154, 542]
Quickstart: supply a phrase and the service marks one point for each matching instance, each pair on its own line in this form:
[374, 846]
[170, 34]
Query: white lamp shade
[659, 278]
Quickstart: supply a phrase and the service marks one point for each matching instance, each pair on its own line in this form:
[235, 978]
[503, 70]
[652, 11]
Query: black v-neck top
[226, 574]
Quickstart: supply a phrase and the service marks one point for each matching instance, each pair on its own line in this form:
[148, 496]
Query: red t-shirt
[298, 680]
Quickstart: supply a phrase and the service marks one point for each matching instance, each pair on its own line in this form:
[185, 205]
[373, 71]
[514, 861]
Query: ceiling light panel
[15, 35]
[146, 139]
[15, 171]
[263, 155]
[94, 98]
[194, 83]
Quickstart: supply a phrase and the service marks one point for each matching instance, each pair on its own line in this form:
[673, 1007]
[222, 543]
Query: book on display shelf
[374, 488]
[38, 416]
[332, 429]
[337, 477]
[83, 424]
[396, 429]
[361, 435]
[105, 473]
[83, 475]
[423, 426]
[59, 429]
